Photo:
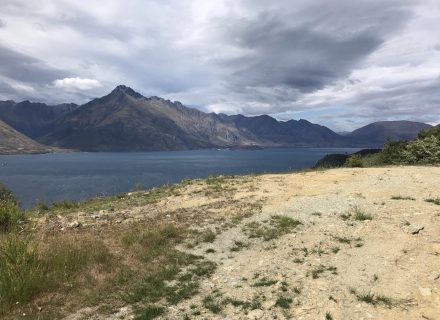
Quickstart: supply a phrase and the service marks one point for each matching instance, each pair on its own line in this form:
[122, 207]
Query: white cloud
[77, 84]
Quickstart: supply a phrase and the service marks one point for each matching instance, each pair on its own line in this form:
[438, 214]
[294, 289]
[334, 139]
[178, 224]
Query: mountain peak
[124, 90]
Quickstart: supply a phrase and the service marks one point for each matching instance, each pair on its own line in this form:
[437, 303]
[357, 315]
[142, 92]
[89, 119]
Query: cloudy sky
[340, 63]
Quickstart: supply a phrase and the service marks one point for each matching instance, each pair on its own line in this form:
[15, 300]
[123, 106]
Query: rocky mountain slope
[375, 134]
[124, 120]
[32, 118]
[13, 142]
[335, 244]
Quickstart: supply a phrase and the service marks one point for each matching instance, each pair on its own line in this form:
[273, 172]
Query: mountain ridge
[125, 120]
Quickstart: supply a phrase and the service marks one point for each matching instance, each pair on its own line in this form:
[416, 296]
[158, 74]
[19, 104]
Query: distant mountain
[375, 134]
[13, 142]
[124, 120]
[31, 118]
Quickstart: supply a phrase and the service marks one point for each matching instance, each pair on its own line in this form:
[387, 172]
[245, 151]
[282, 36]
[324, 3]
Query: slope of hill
[334, 244]
[375, 134]
[13, 142]
[32, 118]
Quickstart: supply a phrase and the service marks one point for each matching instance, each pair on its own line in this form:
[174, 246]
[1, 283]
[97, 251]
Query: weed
[278, 226]
[373, 299]
[316, 272]
[335, 249]
[211, 304]
[210, 250]
[264, 282]
[283, 302]
[328, 316]
[298, 260]
[255, 303]
[360, 215]
[402, 198]
[208, 236]
[434, 201]
[148, 312]
[238, 245]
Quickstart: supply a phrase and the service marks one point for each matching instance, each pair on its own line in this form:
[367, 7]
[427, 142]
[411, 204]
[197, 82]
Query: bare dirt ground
[336, 244]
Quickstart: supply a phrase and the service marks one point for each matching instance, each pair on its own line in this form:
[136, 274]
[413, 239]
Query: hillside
[335, 244]
[33, 119]
[376, 133]
[13, 142]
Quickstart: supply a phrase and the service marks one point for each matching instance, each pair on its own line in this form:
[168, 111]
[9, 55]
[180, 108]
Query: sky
[339, 63]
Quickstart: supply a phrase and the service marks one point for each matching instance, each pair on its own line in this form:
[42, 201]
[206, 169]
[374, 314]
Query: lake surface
[76, 176]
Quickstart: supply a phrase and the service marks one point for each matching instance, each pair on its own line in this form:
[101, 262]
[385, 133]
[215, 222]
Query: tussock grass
[29, 269]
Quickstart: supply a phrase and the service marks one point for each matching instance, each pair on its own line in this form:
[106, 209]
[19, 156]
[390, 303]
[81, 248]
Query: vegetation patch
[264, 282]
[276, 227]
[283, 302]
[434, 201]
[374, 299]
[402, 198]
[319, 270]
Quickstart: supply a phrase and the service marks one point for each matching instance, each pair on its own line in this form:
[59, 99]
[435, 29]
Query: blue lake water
[76, 176]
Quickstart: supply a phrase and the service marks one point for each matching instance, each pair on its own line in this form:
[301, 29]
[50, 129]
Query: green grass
[328, 316]
[434, 201]
[28, 270]
[360, 215]
[264, 282]
[283, 302]
[399, 197]
[149, 312]
[375, 299]
[210, 303]
[10, 215]
[319, 270]
[253, 304]
[276, 227]
[208, 236]
[238, 246]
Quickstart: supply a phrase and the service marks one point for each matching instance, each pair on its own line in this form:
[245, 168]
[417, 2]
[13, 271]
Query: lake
[76, 176]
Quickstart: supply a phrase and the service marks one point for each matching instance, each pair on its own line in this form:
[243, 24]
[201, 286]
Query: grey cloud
[2, 23]
[308, 50]
[25, 68]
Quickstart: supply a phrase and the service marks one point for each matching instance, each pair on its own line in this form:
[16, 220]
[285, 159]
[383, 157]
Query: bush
[7, 195]
[354, 161]
[10, 213]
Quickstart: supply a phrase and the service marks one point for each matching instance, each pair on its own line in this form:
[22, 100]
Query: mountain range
[124, 120]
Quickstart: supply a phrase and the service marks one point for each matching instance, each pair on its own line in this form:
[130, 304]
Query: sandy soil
[330, 264]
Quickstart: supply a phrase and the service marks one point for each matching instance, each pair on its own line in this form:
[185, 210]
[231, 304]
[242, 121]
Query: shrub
[7, 195]
[10, 213]
[354, 161]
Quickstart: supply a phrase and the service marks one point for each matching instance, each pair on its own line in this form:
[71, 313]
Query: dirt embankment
[334, 244]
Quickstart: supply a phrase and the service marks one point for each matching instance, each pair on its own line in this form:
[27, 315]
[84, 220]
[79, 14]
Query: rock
[74, 224]
[413, 229]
